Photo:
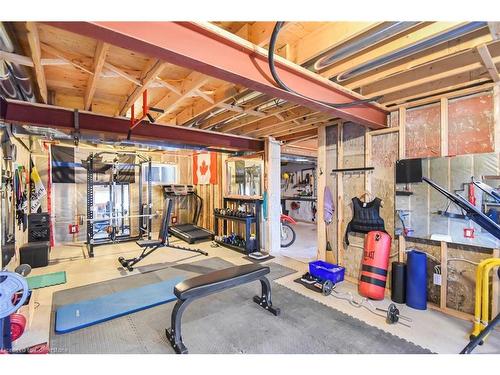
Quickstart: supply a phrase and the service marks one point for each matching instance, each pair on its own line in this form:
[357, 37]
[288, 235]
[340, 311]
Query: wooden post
[402, 155]
[368, 161]
[496, 116]
[340, 194]
[272, 177]
[444, 127]
[444, 275]
[321, 184]
[402, 132]
[401, 248]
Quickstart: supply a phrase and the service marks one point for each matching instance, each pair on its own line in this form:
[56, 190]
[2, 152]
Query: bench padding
[203, 285]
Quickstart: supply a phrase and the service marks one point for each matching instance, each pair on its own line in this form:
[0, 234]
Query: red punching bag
[375, 264]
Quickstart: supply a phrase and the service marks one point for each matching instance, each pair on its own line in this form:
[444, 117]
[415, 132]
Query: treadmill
[189, 232]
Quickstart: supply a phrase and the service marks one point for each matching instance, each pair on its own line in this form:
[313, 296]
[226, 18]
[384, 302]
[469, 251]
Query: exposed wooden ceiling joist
[99, 59]
[172, 101]
[463, 62]
[240, 126]
[36, 56]
[61, 55]
[18, 59]
[440, 86]
[327, 37]
[290, 129]
[305, 134]
[193, 111]
[422, 33]
[428, 56]
[148, 76]
[231, 109]
[270, 123]
[489, 62]
[494, 29]
[222, 55]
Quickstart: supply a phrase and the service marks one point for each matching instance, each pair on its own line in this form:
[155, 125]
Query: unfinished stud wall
[353, 140]
[471, 128]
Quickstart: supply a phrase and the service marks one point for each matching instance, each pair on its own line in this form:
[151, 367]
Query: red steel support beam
[212, 51]
[116, 128]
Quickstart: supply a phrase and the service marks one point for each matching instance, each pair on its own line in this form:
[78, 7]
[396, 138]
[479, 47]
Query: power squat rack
[93, 161]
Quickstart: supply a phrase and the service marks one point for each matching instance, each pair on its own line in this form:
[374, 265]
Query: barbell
[82, 218]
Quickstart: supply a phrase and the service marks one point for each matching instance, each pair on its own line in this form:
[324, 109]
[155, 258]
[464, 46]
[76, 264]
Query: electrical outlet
[437, 279]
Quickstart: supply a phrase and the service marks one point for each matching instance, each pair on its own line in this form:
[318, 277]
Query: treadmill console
[177, 189]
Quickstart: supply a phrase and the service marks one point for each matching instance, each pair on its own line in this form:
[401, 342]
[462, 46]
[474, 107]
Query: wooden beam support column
[340, 193]
[444, 275]
[36, 56]
[496, 116]
[402, 132]
[402, 155]
[444, 127]
[273, 189]
[321, 174]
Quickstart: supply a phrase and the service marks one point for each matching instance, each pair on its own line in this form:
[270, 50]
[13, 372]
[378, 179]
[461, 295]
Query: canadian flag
[205, 168]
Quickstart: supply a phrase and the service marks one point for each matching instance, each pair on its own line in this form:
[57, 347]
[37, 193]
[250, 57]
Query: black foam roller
[398, 282]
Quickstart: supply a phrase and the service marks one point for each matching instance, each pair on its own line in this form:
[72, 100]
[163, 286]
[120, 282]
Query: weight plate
[327, 288]
[23, 269]
[17, 326]
[10, 284]
[392, 314]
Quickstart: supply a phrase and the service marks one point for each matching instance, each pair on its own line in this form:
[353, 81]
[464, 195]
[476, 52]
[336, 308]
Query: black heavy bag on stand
[398, 282]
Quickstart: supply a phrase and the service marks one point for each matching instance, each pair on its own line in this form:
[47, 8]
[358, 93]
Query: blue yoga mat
[87, 313]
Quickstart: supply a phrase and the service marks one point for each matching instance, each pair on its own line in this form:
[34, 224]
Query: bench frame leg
[265, 300]
[173, 333]
[131, 262]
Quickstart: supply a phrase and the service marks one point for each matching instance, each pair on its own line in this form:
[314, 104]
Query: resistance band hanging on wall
[37, 190]
[20, 190]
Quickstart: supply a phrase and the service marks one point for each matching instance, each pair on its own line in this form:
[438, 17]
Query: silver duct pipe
[350, 49]
[410, 50]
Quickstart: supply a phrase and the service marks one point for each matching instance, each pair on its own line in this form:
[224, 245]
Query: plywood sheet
[423, 131]
[470, 124]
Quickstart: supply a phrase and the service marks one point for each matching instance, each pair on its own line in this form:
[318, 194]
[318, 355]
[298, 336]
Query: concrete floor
[430, 329]
[305, 247]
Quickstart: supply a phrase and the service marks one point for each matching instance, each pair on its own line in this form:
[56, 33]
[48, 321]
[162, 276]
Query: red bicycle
[287, 233]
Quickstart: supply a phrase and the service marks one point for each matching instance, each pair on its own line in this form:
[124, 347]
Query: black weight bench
[213, 282]
[149, 246]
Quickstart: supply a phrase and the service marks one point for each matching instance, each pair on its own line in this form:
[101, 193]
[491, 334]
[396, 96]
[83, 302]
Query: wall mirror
[423, 212]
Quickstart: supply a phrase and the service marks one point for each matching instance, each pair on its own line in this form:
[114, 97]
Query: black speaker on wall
[39, 227]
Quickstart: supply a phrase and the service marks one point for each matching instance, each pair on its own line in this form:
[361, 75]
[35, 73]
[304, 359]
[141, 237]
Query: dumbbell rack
[248, 220]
